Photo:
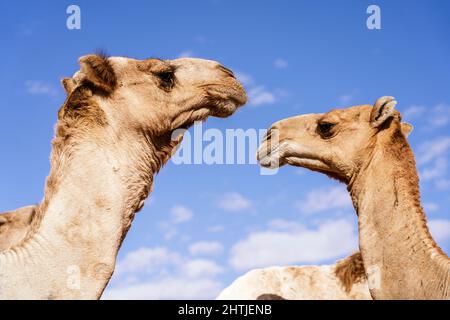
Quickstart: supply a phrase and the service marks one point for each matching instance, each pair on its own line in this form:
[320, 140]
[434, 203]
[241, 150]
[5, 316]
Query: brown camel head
[336, 143]
[151, 95]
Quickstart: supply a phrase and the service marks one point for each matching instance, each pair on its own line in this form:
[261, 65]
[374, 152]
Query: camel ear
[382, 110]
[98, 71]
[68, 84]
[406, 128]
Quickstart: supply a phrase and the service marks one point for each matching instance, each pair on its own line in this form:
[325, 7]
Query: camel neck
[401, 259]
[92, 193]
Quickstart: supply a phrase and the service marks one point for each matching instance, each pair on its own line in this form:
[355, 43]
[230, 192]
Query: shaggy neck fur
[400, 257]
[99, 178]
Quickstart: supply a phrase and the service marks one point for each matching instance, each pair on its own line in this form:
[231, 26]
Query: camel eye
[325, 129]
[167, 79]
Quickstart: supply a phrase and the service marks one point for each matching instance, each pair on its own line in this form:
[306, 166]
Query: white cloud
[146, 260]
[216, 229]
[40, 88]
[234, 202]
[317, 200]
[440, 115]
[430, 150]
[259, 96]
[434, 117]
[346, 98]
[413, 112]
[280, 63]
[168, 288]
[205, 248]
[201, 268]
[268, 248]
[440, 229]
[285, 225]
[158, 273]
[201, 39]
[180, 214]
[186, 54]
[443, 184]
[430, 206]
[246, 79]
[437, 170]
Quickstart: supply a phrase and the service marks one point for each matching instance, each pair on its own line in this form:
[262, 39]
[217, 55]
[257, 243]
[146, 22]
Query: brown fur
[79, 114]
[109, 142]
[99, 72]
[350, 271]
[372, 156]
[269, 296]
[14, 226]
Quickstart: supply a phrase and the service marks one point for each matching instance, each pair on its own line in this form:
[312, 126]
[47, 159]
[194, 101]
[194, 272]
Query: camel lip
[270, 157]
[230, 93]
[225, 108]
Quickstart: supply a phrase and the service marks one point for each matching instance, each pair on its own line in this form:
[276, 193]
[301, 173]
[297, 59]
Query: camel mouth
[271, 157]
[226, 98]
[220, 101]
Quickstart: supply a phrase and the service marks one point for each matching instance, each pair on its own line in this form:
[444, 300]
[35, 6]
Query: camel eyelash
[325, 129]
[167, 79]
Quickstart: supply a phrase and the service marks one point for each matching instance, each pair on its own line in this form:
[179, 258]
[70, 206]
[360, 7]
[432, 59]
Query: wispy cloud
[167, 288]
[205, 248]
[317, 200]
[216, 229]
[40, 88]
[413, 112]
[346, 98]
[186, 54]
[329, 240]
[433, 162]
[258, 95]
[181, 214]
[440, 229]
[158, 273]
[280, 63]
[438, 169]
[432, 149]
[285, 225]
[198, 268]
[440, 115]
[178, 215]
[146, 260]
[432, 117]
[234, 202]
[430, 206]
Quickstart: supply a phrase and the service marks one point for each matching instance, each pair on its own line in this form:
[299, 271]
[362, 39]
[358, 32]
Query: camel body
[345, 280]
[366, 148]
[120, 123]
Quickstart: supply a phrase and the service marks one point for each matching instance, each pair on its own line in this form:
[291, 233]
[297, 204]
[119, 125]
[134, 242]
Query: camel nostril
[226, 70]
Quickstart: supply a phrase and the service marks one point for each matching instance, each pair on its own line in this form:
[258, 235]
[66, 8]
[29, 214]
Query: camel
[114, 133]
[345, 280]
[365, 147]
[14, 226]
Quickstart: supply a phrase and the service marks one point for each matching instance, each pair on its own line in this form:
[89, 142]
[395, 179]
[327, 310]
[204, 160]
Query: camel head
[152, 96]
[336, 143]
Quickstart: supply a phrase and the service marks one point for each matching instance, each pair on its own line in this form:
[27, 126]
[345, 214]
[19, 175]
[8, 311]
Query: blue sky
[207, 224]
